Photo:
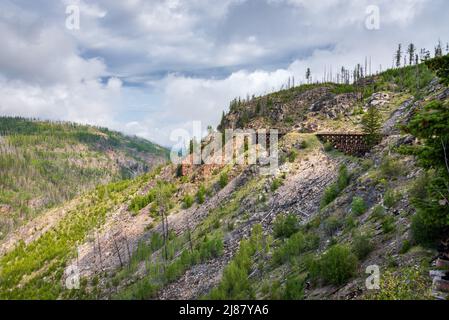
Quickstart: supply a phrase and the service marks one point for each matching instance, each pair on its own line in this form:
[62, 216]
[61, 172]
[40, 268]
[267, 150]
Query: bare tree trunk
[118, 251]
[77, 258]
[164, 218]
[99, 252]
[190, 236]
[446, 161]
[129, 252]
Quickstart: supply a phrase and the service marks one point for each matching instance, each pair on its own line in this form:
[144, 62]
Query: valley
[309, 231]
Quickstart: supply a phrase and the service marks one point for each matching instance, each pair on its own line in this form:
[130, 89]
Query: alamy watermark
[72, 21]
[72, 277]
[372, 282]
[372, 19]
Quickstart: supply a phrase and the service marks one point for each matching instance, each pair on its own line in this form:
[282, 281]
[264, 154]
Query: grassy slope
[44, 163]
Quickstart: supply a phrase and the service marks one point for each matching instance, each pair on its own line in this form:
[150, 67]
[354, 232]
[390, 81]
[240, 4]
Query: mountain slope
[307, 232]
[46, 163]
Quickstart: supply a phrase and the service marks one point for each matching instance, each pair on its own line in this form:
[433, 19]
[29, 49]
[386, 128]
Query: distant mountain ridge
[45, 163]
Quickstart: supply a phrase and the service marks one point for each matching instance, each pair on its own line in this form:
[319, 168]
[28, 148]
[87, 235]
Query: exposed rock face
[400, 115]
[444, 95]
[320, 100]
[278, 112]
[378, 99]
[300, 194]
[324, 101]
[332, 105]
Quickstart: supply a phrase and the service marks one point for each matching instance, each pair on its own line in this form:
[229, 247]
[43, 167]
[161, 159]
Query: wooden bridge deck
[352, 143]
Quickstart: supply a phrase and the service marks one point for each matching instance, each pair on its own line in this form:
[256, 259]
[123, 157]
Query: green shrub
[367, 164]
[424, 231]
[362, 246]
[405, 247]
[409, 284]
[162, 191]
[378, 212]
[285, 225]
[350, 223]
[140, 202]
[156, 241]
[292, 155]
[294, 246]
[391, 168]
[223, 180]
[335, 266]
[391, 198]
[358, 206]
[235, 284]
[388, 224]
[294, 288]
[331, 225]
[211, 247]
[277, 182]
[201, 194]
[273, 290]
[343, 177]
[187, 201]
[328, 147]
[332, 192]
[418, 190]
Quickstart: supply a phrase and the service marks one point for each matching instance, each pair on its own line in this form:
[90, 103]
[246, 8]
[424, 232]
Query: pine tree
[398, 56]
[411, 52]
[258, 107]
[308, 73]
[438, 50]
[440, 65]
[371, 124]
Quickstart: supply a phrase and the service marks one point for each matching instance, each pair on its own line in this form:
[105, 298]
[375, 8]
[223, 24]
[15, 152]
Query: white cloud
[188, 59]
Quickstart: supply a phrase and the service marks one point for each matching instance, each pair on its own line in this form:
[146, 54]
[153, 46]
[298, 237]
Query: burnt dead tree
[128, 250]
[99, 252]
[189, 233]
[117, 250]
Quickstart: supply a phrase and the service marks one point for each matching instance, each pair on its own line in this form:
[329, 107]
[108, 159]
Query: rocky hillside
[44, 164]
[307, 232]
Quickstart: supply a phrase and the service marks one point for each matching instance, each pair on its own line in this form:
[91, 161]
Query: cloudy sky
[149, 67]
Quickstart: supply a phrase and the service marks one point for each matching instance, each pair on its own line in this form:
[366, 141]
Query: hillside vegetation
[46, 163]
[309, 231]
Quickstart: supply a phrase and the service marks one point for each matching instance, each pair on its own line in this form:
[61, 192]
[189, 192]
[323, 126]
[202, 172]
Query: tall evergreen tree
[371, 124]
[398, 56]
[411, 53]
[438, 50]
